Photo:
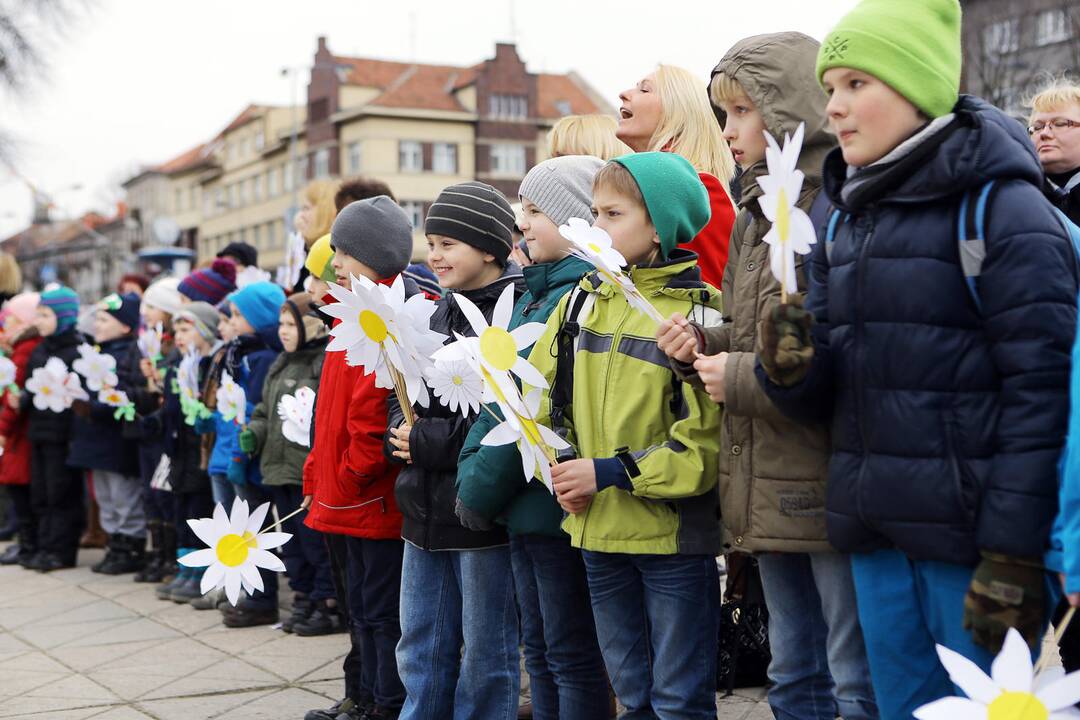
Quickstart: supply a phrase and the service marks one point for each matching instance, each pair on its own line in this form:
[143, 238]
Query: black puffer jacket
[426, 490]
[947, 421]
[98, 441]
[46, 426]
[1066, 197]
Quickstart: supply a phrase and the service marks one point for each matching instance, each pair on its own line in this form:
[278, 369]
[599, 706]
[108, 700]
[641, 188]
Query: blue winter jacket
[248, 358]
[947, 421]
[97, 441]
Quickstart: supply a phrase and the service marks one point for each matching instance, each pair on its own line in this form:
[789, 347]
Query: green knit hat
[912, 46]
[676, 200]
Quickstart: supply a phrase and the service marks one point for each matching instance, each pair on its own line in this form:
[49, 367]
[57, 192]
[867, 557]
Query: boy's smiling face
[460, 266]
[625, 220]
[867, 116]
[107, 327]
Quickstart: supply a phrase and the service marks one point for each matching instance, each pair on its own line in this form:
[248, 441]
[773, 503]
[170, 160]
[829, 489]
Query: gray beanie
[377, 232]
[562, 187]
[204, 317]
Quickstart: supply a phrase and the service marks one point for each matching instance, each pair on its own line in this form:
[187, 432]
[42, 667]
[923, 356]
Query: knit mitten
[786, 346]
[247, 441]
[1005, 592]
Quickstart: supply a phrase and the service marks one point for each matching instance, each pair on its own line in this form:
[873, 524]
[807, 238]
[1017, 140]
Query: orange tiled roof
[246, 115]
[183, 161]
[431, 87]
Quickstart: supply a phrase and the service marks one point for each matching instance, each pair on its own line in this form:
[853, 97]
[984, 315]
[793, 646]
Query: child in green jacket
[642, 500]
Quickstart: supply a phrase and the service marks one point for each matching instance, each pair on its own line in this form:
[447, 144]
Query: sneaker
[164, 590]
[302, 608]
[186, 591]
[331, 713]
[324, 620]
[241, 616]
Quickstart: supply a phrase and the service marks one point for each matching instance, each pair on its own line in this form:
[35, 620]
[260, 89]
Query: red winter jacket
[711, 244]
[351, 482]
[15, 462]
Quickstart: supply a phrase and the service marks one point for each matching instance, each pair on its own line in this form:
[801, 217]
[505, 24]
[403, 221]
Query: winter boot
[129, 557]
[169, 567]
[188, 590]
[324, 620]
[113, 547]
[302, 607]
[151, 571]
[165, 590]
[94, 537]
[210, 601]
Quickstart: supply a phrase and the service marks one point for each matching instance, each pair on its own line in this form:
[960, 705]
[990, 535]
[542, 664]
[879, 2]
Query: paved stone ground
[75, 646]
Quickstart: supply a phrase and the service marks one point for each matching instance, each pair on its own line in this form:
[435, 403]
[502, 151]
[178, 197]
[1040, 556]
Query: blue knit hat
[260, 304]
[65, 303]
[125, 308]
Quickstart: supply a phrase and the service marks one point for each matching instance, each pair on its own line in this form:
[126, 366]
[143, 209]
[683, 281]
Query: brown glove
[786, 347]
[1005, 592]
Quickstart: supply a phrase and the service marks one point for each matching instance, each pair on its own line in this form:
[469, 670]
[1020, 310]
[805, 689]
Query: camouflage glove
[786, 347]
[1005, 592]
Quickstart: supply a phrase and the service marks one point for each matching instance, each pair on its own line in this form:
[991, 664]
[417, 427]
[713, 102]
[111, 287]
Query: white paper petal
[268, 560]
[271, 540]
[501, 434]
[526, 335]
[529, 374]
[255, 521]
[504, 308]
[250, 573]
[232, 586]
[1062, 692]
[967, 676]
[951, 708]
[199, 558]
[212, 578]
[471, 313]
[1012, 668]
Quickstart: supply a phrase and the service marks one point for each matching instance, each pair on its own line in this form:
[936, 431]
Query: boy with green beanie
[641, 495]
[936, 339]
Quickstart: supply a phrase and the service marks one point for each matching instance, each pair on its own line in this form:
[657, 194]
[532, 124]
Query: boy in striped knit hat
[56, 491]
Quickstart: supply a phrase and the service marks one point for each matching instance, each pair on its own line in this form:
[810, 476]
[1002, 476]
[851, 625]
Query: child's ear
[656, 238]
[489, 258]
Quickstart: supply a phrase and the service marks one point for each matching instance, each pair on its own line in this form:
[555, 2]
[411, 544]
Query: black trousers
[56, 496]
[191, 506]
[25, 520]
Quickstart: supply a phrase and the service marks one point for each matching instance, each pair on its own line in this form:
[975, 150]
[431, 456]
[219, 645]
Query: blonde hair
[320, 194]
[1055, 95]
[586, 135]
[10, 275]
[723, 89]
[688, 125]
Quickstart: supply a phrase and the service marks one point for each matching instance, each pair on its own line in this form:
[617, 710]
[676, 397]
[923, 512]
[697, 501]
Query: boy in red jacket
[348, 482]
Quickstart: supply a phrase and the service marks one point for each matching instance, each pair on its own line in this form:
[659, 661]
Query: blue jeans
[224, 491]
[656, 618]
[905, 608]
[562, 656]
[819, 668]
[450, 599]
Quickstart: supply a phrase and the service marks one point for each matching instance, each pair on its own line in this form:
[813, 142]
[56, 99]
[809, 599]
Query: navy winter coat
[45, 426]
[97, 441]
[947, 421]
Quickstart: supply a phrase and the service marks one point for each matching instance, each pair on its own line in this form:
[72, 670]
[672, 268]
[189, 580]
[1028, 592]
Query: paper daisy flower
[1011, 693]
[593, 245]
[187, 375]
[149, 342]
[496, 348]
[456, 384]
[792, 231]
[48, 386]
[236, 549]
[288, 273]
[73, 389]
[295, 413]
[231, 400]
[125, 409]
[532, 440]
[7, 373]
[98, 368]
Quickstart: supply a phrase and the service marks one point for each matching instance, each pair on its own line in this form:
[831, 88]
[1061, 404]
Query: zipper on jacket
[860, 354]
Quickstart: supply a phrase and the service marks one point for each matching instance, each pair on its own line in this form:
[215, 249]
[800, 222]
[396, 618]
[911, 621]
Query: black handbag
[743, 652]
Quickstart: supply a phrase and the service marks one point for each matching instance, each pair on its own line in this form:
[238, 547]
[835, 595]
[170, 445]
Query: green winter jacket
[489, 478]
[625, 395]
[282, 461]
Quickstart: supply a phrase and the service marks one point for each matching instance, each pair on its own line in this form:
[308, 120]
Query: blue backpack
[970, 234]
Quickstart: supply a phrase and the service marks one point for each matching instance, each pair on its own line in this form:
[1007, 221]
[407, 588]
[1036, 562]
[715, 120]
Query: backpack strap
[562, 388]
[830, 233]
[971, 236]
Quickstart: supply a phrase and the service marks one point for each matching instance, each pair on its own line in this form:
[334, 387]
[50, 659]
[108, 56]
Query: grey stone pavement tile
[80, 646]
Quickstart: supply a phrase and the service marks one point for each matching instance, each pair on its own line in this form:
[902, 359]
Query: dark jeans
[374, 587]
[306, 562]
[25, 520]
[191, 506]
[562, 655]
[256, 495]
[337, 550]
[656, 619]
[56, 494]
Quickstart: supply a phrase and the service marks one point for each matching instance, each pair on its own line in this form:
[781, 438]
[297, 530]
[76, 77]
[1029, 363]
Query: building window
[257, 233]
[243, 235]
[178, 200]
[301, 169]
[219, 201]
[511, 107]
[410, 156]
[508, 160]
[257, 188]
[288, 172]
[233, 195]
[322, 163]
[354, 158]
[193, 197]
[260, 141]
[415, 211]
[1051, 26]
[1002, 37]
[271, 182]
[444, 158]
[242, 192]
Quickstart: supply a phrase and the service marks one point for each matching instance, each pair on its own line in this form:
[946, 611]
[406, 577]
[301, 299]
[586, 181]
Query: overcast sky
[138, 81]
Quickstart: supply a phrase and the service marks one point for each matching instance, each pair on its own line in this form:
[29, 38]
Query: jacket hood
[487, 295]
[541, 278]
[777, 73]
[981, 144]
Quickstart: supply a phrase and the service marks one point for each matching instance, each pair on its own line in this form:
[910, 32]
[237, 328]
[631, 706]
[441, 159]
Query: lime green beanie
[676, 200]
[912, 46]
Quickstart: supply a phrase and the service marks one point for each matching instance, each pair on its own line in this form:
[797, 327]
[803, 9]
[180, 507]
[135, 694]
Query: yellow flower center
[498, 348]
[531, 432]
[595, 248]
[457, 380]
[232, 549]
[46, 390]
[373, 326]
[783, 216]
[1017, 706]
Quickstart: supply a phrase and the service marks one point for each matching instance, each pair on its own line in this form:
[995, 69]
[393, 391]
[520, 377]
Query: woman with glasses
[1054, 127]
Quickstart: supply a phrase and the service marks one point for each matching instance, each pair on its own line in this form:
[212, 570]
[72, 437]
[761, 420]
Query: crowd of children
[885, 441]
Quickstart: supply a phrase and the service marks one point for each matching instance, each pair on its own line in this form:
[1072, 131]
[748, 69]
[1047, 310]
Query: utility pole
[293, 169]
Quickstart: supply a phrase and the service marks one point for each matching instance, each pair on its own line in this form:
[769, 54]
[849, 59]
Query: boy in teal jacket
[562, 657]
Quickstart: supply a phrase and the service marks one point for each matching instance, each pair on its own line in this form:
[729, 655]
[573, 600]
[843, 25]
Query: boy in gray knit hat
[371, 237]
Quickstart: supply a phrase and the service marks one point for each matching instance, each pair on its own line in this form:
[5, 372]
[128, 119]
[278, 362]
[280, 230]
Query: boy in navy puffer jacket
[948, 402]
